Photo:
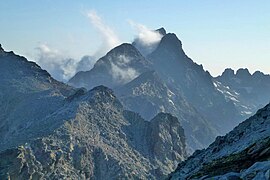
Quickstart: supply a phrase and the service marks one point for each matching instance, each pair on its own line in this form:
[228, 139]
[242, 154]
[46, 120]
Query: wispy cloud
[121, 70]
[146, 39]
[62, 67]
[58, 65]
[109, 37]
[145, 35]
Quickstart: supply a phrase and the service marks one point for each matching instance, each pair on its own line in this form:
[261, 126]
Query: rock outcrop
[242, 153]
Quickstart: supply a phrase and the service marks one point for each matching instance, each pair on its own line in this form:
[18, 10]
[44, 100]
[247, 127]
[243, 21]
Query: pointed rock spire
[170, 42]
[162, 31]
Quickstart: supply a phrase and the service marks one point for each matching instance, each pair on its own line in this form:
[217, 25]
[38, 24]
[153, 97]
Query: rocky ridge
[52, 131]
[242, 153]
[148, 95]
[180, 86]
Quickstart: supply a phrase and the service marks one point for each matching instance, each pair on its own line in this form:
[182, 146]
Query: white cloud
[145, 35]
[63, 68]
[121, 71]
[109, 37]
[147, 40]
[60, 67]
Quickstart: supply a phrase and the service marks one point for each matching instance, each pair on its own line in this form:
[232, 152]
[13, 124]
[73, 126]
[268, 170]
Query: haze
[216, 34]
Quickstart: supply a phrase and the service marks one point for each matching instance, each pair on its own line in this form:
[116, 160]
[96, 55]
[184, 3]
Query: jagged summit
[240, 73]
[102, 92]
[169, 55]
[120, 65]
[102, 88]
[170, 49]
[162, 31]
[258, 74]
[122, 55]
[124, 48]
[251, 91]
[228, 72]
[145, 46]
[171, 41]
[243, 73]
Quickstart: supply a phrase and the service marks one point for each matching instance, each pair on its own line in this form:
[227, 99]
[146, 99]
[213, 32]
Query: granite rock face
[242, 153]
[50, 130]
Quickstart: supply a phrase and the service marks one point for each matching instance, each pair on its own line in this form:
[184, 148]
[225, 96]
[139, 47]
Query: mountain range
[50, 130]
[139, 113]
[165, 79]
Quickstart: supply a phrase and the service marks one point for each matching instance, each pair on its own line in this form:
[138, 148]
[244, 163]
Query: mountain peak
[258, 74]
[243, 73]
[161, 31]
[172, 37]
[102, 88]
[228, 72]
[124, 48]
[171, 41]
[125, 45]
[103, 94]
[171, 46]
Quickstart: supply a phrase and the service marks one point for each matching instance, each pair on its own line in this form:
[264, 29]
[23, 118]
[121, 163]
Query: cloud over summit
[146, 39]
[62, 67]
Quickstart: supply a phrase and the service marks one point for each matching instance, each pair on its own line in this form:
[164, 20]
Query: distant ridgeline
[162, 78]
[139, 112]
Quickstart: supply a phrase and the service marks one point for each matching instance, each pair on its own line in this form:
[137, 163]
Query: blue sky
[217, 34]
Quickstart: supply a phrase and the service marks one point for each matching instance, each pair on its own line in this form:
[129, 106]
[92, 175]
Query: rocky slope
[203, 104]
[154, 94]
[196, 85]
[148, 95]
[242, 153]
[52, 131]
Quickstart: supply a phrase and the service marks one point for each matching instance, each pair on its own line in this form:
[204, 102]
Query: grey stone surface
[49, 130]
